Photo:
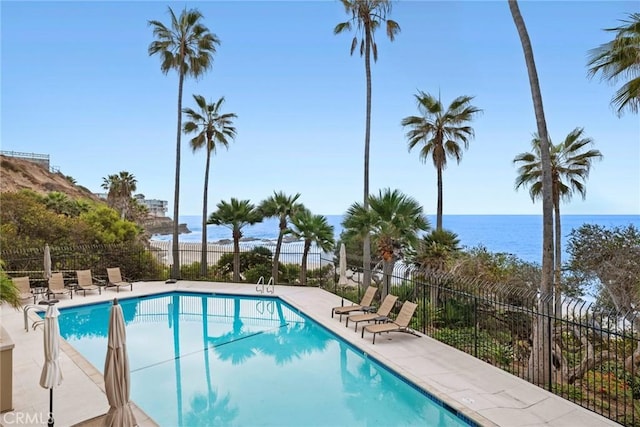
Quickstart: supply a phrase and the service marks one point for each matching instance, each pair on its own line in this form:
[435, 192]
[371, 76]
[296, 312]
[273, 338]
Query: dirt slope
[17, 174]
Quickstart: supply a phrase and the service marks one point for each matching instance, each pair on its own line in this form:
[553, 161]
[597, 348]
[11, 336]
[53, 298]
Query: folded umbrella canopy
[343, 265]
[47, 266]
[116, 372]
[51, 373]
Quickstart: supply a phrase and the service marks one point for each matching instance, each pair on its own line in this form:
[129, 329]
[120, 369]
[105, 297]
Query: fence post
[475, 326]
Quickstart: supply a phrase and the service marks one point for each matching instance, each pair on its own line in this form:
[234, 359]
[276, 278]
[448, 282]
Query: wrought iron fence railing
[586, 354]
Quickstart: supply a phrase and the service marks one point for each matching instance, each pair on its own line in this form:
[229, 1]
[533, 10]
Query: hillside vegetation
[18, 174]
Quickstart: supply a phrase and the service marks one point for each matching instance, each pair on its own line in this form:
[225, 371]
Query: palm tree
[213, 129]
[119, 188]
[570, 167]
[394, 221]
[440, 133]
[110, 185]
[283, 207]
[59, 202]
[187, 47]
[620, 58]
[9, 292]
[235, 215]
[367, 16]
[540, 358]
[312, 229]
[435, 249]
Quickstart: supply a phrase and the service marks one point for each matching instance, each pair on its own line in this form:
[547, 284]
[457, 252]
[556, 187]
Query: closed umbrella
[47, 266]
[343, 265]
[51, 373]
[116, 372]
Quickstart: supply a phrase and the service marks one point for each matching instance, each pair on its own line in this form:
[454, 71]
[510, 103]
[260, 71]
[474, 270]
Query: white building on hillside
[157, 208]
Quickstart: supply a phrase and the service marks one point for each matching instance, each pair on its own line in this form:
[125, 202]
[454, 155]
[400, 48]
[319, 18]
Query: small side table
[40, 291]
[73, 287]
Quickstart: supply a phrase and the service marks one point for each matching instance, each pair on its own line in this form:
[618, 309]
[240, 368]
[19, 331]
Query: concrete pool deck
[482, 392]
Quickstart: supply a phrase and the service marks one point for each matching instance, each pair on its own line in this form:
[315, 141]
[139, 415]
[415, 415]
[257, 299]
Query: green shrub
[472, 341]
[8, 291]
[258, 259]
[253, 274]
[568, 391]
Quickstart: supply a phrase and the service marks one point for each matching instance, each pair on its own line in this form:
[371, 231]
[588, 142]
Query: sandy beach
[291, 253]
[189, 252]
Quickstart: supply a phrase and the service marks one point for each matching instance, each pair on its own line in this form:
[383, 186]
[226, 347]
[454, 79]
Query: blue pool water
[224, 360]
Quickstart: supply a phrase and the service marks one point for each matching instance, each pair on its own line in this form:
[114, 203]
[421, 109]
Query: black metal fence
[146, 263]
[592, 355]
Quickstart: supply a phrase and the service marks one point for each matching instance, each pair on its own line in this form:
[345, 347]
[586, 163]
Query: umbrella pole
[50, 422]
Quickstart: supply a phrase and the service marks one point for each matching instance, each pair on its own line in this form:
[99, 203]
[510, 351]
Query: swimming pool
[206, 360]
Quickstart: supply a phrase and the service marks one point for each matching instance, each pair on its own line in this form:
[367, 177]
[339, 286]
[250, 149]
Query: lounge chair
[401, 324]
[115, 279]
[56, 286]
[24, 287]
[365, 304]
[379, 316]
[86, 282]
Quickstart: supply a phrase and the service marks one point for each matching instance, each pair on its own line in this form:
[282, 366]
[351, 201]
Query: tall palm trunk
[175, 247]
[557, 285]
[203, 251]
[276, 256]
[366, 245]
[387, 270]
[303, 265]
[439, 208]
[236, 255]
[540, 360]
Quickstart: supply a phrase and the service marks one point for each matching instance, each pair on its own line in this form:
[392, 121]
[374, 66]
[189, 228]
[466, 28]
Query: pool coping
[476, 390]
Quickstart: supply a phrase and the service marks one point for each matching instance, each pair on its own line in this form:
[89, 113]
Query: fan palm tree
[570, 167]
[119, 188]
[187, 46]
[440, 133]
[213, 129]
[283, 207]
[393, 220]
[312, 229]
[110, 185]
[620, 59]
[367, 16]
[435, 249]
[540, 359]
[235, 215]
[9, 292]
[59, 202]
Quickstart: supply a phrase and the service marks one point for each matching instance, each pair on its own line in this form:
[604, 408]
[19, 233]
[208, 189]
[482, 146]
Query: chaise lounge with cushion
[24, 287]
[379, 316]
[56, 286]
[401, 324]
[365, 304]
[115, 279]
[86, 282]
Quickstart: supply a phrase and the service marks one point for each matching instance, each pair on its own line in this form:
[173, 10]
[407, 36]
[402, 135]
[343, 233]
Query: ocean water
[520, 235]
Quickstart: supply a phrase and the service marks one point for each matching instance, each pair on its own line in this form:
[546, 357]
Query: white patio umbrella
[343, 265]
[47, 263]
[51, 373]
[116, 372]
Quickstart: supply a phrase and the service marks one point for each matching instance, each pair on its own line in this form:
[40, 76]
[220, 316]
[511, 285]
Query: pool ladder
[262, 288]
[26, 310]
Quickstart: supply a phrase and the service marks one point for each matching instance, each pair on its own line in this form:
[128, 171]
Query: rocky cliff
[18, 174]
[162, 226]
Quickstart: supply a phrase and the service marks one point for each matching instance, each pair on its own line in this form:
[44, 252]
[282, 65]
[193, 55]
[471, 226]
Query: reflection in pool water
[223, 360]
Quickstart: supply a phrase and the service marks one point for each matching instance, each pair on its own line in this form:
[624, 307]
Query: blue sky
[78, 84]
